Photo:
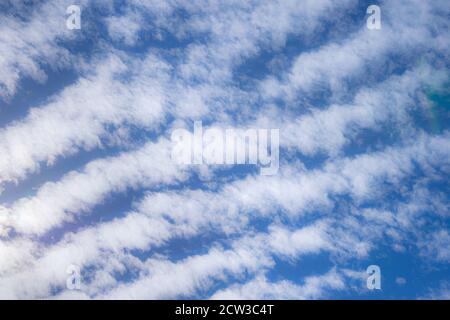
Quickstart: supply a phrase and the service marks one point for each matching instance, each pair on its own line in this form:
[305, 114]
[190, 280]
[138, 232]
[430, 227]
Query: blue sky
[87, 178]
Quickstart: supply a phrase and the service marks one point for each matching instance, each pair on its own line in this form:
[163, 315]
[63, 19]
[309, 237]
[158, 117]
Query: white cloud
[79, 192]
[154, 91]
[334, 65]
[314, 287]
[78, 117]
[27, 45]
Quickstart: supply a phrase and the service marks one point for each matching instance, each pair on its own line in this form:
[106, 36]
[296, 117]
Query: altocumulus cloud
[87, 178]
